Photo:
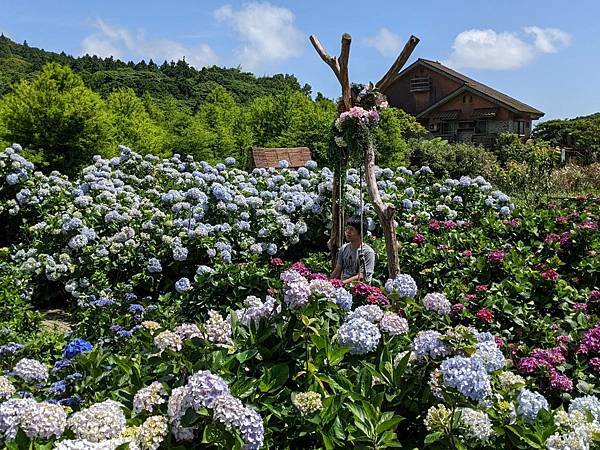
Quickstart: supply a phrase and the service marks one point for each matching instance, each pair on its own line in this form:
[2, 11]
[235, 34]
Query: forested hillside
[64, 110]
[169, 79]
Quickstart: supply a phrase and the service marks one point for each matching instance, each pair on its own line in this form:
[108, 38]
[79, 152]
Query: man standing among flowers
[355, 260]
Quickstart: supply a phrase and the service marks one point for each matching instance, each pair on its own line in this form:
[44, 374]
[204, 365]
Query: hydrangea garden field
[202, 313]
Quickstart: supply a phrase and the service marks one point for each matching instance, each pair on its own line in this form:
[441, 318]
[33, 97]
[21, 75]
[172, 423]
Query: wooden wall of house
[399, 94]
[472, 101]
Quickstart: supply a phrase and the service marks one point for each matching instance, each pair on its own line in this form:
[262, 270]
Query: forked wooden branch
[338, 65]
[391, 74]
[385, 212]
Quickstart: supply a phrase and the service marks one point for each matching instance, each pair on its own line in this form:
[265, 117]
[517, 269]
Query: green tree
[451, 159]
[581, 133]
[133, 125]
[219, 129]
[395, 129]
[292, 119]
[57, 116]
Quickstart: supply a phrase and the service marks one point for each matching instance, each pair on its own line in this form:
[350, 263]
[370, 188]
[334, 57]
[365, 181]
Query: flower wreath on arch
[352, 130]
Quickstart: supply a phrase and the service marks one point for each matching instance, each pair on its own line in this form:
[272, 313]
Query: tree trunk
[338, 218]
[385, 212]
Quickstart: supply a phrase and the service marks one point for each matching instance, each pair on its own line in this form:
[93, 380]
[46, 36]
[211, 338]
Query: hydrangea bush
[191, 329]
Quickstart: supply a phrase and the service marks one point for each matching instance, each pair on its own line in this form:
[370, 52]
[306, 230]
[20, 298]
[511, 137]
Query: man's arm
[358, 277]
[337, 272]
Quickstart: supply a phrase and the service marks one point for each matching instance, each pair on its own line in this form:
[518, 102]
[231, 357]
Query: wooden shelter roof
[270, 157]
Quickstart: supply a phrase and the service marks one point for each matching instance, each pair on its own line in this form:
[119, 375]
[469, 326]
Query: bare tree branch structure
[385, 212]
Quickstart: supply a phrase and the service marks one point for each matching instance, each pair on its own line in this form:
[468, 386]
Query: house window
[445, 127]
[420, 84]
[467, 99]
[481, 127]
[434, 127]
[520, 127]
[466, 125]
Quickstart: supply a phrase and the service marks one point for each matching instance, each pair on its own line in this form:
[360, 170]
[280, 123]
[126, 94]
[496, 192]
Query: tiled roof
[270, 157]
[445, 115]
[484, 113]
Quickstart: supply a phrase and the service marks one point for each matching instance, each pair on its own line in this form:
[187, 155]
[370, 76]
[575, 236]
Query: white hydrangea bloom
[31, 371]
[6, 388]
[147, 398]
[152, 432]
[99, 422]
[168, 340]
[218, 330]
[477, 424]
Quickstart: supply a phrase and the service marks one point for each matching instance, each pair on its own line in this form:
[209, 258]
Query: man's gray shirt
[349, 260]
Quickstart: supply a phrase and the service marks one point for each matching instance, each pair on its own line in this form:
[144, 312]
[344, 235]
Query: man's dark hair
[354, 222]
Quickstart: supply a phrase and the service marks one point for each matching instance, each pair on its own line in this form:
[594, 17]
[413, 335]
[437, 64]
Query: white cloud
[109, 40]
[386, 42]
[268, 33]
[489, 49]
[549, 40]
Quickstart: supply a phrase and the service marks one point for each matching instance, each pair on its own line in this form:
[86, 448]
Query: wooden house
[458, 108]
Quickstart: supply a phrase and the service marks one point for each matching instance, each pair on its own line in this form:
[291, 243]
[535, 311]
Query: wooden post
[385, 213]
[339, 66]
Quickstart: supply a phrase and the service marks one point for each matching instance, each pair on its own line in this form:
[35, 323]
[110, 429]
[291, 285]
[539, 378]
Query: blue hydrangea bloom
[372, 313]
[59, 387]
[75, 347]
[404, 285]
[586, 404]
[530, 404]
[183, 285]
[60, 364]
[360, 335]
[154, 266]
[467, 375]
[491, 355]
[10, 349]
[136, 308]
[343, 298]
[428, 343]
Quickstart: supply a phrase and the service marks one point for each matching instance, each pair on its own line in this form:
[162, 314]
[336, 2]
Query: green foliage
[292, 119]
[57, 116]
[451, 159]
[220, 127]
[391, 137]
[580, 133]
[133, 125]
[509, 147]
[526, 167]
[171, 79]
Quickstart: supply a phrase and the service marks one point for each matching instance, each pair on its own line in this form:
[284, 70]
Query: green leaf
[389, 424]
[242, 357]
[274, 377]
[336, 355]
[433, 437]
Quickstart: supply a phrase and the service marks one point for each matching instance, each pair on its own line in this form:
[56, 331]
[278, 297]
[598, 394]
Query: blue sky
[544, 53]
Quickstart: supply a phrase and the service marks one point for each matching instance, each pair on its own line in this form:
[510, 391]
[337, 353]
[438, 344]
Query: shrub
[451, 159]
[573, 178]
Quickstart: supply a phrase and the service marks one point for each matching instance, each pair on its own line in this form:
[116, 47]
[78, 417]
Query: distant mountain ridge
[176, 79]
